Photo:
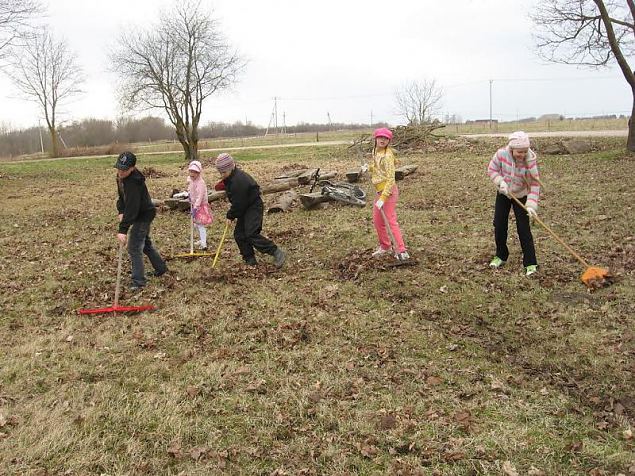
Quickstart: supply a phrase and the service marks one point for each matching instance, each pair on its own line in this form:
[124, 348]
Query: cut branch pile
[405, 138]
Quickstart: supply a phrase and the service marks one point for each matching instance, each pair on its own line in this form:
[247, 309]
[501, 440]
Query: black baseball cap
[125, 161]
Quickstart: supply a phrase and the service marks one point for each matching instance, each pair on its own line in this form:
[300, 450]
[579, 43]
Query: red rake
[116, 307]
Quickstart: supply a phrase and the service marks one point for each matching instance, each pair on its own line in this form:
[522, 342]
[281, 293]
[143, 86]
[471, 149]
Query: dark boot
[251, 260]
[278, 258]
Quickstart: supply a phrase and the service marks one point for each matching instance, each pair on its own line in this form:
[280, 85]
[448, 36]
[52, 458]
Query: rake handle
[552, 233]
[392, 237]
[220, 245]
[191, 229]
[118, 285]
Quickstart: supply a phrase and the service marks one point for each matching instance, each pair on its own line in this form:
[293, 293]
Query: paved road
[620, 133]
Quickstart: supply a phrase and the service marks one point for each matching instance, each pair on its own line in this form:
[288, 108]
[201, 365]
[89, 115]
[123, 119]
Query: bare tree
[590, 33]
[175, 66]
[15, 16]
[418, 101]
[46, 72]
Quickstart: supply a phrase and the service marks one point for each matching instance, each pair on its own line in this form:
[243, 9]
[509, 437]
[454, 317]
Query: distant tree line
[102, 132]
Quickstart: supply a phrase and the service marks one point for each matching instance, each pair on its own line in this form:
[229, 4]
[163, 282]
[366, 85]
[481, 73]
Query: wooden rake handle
[392, 237]
[118, 285]
[220, 245]
[552, 233]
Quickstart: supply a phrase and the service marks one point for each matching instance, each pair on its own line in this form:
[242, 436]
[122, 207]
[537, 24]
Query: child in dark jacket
[243, 192]
[136, 212]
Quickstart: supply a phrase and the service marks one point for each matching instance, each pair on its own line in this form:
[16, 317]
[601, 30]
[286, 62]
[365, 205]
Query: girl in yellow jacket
[382, 171]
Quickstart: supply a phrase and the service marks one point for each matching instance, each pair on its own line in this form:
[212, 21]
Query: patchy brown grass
[336, 364]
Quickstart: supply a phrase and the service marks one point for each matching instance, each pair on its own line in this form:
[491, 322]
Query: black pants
[247, 233]
[501, 220]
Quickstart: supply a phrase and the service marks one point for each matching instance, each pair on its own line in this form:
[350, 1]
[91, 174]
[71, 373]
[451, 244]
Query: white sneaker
[199, 245]
[403, 256]
[379, 252]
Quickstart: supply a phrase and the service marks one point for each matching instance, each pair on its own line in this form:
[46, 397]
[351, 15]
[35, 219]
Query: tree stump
[284, 202]
[401, 172]
[312, 200]
[353, 176]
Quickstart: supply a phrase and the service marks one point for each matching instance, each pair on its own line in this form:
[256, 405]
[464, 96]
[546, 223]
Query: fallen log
[274, 187]
[290, 174]
[404, 170]
[312, 200]
[284, 202]
[183, 204]
[306, 180]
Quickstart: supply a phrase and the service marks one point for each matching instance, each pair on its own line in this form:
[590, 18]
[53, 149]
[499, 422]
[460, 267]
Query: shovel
[592, 277]
[116, 307]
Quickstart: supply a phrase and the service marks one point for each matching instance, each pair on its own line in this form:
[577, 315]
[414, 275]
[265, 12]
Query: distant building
[482, 121]
[551, 117]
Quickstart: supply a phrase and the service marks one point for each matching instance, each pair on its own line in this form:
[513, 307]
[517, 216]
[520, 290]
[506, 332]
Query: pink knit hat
[196, 166]
[225, 162]
[383, 132]
[519, 140]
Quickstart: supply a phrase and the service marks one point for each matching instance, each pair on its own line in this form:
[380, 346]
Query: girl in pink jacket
[514, 171]
[197, 191]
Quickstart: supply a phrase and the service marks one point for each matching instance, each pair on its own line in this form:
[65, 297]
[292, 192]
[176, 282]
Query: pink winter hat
[383, 132]
[519, 140]
[224, 162]
[196, 166]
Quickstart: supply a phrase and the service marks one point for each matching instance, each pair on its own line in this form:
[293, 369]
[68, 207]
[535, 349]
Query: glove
[533, 214]
[364, 168]
[503, 188]
[379, 204]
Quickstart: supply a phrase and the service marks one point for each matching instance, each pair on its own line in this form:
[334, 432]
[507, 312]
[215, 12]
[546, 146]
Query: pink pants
[390, 210]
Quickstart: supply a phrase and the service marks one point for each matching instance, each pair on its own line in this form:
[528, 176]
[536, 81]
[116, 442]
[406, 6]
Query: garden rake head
[595, 277]
[116, 307]
[192, 253]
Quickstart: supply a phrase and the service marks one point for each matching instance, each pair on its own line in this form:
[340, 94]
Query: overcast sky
[346, 59]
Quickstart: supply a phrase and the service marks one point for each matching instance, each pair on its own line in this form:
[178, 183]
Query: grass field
[336, 364]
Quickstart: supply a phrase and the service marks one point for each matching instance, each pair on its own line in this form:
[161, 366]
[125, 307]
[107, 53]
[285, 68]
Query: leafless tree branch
[45, 71]
[15, 21]
[589, 33]
[418, 101]
[175, 66]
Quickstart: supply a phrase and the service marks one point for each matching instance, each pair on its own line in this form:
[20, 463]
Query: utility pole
[274, 117]
[275, 111]
[284, 122]
[39, 128]
[328, 114]
[371, 118]
[490, 103]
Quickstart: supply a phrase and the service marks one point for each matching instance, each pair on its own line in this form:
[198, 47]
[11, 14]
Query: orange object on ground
[593, 277]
